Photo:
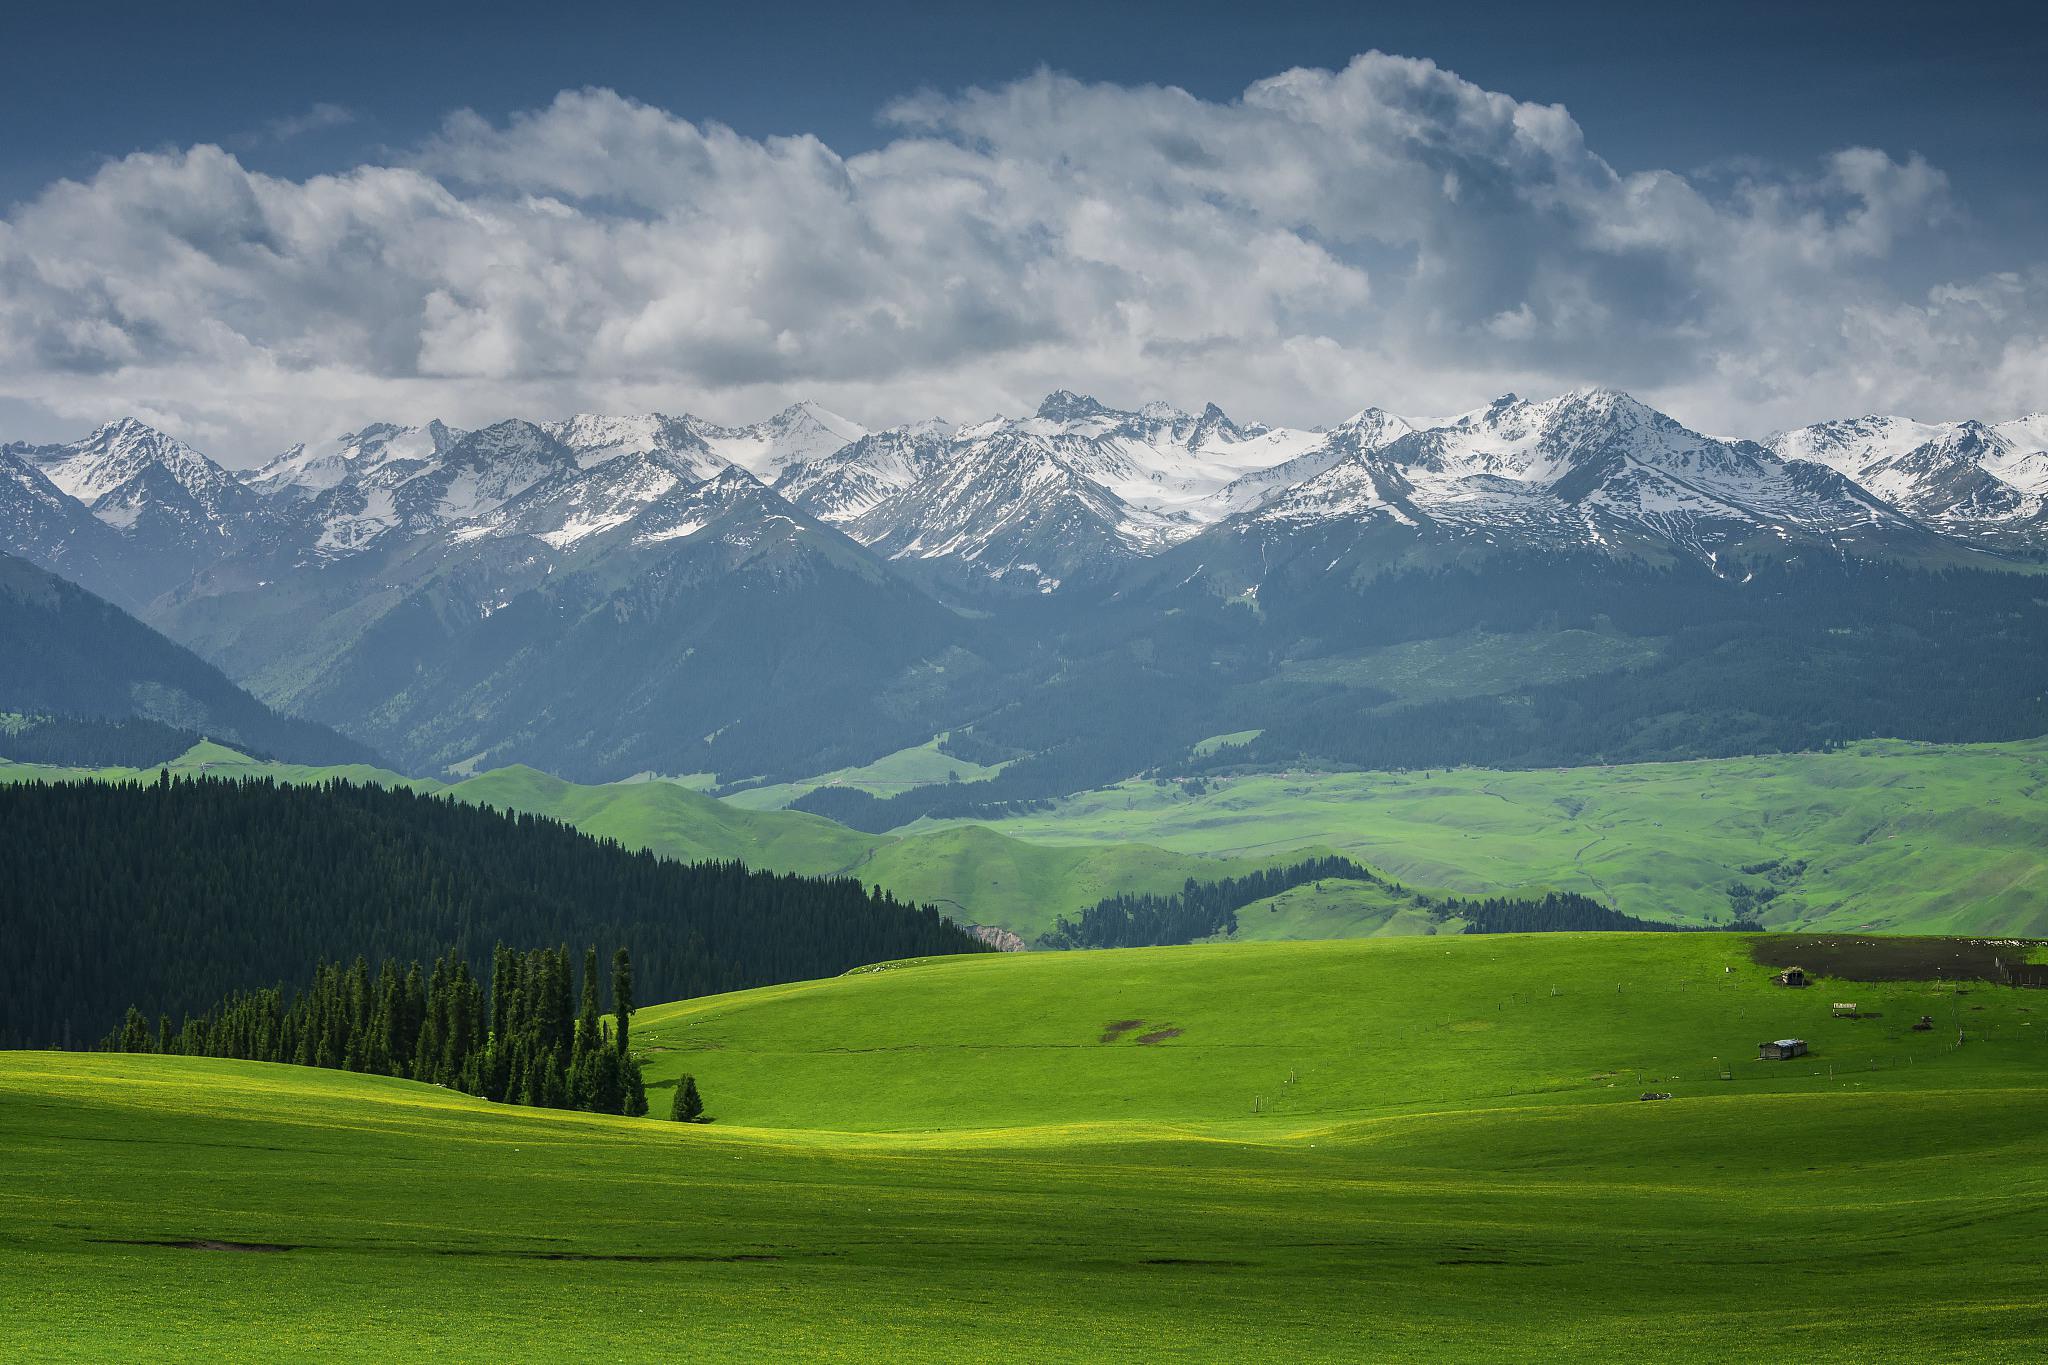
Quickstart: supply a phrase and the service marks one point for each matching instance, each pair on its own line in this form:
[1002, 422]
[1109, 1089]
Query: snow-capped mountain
[1593, 469]
[172, 510]
[413, 481]
[306, 471]
[1361, 434]
[1008, 507]
[597, 439]
[42, 523]
[1070, 492]
[1967, 477]
[614, 593]
[127, 471]
[838, 487]
[800, 432]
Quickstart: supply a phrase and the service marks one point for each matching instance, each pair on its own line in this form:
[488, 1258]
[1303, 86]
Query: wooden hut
[1784, 1050]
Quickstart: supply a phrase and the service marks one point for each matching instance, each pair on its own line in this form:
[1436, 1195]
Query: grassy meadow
[1885, 836]
[977, 1160]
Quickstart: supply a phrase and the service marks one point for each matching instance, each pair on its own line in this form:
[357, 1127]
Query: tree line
[1554, 913]
[172, 894]
[95, 742]
[521, 1045]
[1206, 909]
[1197, 910]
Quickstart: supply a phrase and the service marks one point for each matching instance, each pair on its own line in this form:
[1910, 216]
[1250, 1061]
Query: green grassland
[921, 765]
[972, 874]
[1336, 909]
[1883, 836]
[1893, 836]
[965, 1160]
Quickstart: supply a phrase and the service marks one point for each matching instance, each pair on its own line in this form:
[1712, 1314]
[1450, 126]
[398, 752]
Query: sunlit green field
[1390, 1149]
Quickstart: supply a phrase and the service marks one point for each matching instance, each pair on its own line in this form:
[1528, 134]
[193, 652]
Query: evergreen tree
[689, 1105]
[632, 1087]
[622, 997]
[176, 894]
[589, 1028]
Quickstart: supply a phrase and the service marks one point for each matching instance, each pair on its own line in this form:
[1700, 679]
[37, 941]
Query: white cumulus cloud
[1389, 233]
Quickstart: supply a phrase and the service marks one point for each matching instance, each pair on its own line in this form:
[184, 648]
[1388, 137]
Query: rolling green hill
[973, 875]
[1019, 1157]
[1316, 1033]
[1884, 835]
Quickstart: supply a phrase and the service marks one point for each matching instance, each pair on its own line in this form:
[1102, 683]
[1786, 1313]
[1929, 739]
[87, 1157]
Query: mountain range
[656, 593]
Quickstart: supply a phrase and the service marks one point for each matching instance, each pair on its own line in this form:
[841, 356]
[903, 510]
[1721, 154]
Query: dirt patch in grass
[1112, 1032]
[1157, 1036]
[1851, 957]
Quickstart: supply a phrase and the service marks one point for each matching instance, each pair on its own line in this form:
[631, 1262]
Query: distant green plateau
[1882, 836]
[1392, 1149]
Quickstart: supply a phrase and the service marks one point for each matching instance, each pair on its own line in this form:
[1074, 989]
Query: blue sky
[1747, 105]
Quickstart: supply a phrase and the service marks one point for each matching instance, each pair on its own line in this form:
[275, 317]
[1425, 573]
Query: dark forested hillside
[94, 742]
[73, 657]
[1761, 659]
[1781, 658]
[174, 894]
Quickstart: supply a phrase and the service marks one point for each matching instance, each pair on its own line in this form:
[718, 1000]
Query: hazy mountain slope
[680, 639]
[66, 652]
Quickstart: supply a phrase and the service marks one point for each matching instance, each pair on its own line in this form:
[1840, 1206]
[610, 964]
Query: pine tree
[588, 1026]
[622, 998]
[134, 1032]
[632, 1087]
[689, 1105]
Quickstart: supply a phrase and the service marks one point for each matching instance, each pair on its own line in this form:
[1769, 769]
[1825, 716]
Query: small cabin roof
[1789, 1042]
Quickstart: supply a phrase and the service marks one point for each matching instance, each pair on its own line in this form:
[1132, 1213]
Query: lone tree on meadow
[689, 1105]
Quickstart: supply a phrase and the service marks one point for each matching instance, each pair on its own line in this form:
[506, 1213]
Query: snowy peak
[802, 431]
[1372, 428]
[1010, 505]
[596, 439]
[40, 521]
[120, 451]
[1969, 477]
[848, 482]
[1592, 468]
[141, 481]
[1064, 405]
[310, 469]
